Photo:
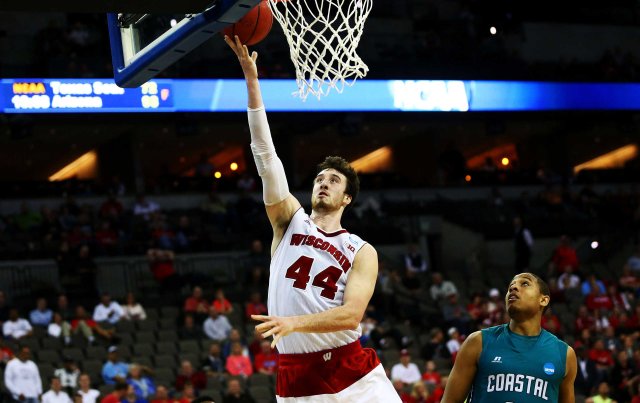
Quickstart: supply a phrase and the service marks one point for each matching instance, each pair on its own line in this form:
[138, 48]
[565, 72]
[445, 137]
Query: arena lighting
[613, 159]
[233, 166]
[217, 175]
[82, 167]
[467, 178]
[594, 245]
[505, 161]
[375, 161]
[173, 22]
[493, 30]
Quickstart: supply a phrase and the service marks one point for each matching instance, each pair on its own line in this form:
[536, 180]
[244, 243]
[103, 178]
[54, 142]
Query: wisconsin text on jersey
[517, 383]
[321, 244]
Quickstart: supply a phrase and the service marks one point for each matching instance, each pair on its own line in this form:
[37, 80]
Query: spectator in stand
[131, 396]
[107, 239]
[59, 328]
[431, 375]
[235, 394]
[188, 374]
[551, 323]
[214, 364]
[413, 260]
[88, 395]
[16, 328]
[22, 378]
[598, 299]
[81, 323]
[618, 299]
[628, 281]
[132, 310]
[256, 280]
[591, 283]
[163, 270]
[144, 208]
[84, 273]
[162, 396]
[438, 392]
[143, 386]
[587, 376]
[186, 238]
[419, 393]
[584, 320]
[221, 303]
[6, 354]
[56, 394]
[633, 263]
[196, 305]
[477, 309]
[41, 316]
[564, 256]
[568, 280]
[217, 326]
[118, 394]
[111, 209]
[215, 210]
[441, 288]
[190, 330]
[523, 245]
[238, 364]
[63, 308]
[255, 305]
[602, 357]
[602, 396]
[234, 337]
[254, 347]
[68, 375]
[107, 311]
[188, 393]
[453, 345]
[266, 362]
[405, 370]
[114, 371]
[398, 385]
[455, 314]
[622, 376]
[495, 308]
[436, 347]
[258, 256]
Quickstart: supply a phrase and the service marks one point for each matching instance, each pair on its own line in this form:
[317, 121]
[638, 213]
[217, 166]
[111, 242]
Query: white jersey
[309, 272]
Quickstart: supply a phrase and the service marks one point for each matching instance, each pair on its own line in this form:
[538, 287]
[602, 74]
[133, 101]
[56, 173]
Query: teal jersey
[518, 369]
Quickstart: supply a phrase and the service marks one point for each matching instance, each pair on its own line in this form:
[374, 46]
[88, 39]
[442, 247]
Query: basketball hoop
[323, 36]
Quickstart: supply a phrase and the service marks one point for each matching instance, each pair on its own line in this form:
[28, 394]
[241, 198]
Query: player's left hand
[276, 326]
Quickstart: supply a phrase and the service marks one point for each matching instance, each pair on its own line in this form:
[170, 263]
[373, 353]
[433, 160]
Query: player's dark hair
[341, 165]
[544, 290]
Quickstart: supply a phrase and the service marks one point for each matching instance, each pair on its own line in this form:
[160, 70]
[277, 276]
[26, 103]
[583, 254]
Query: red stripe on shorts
[323, 372]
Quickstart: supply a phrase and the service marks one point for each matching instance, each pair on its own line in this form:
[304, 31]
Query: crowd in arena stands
[599, 316]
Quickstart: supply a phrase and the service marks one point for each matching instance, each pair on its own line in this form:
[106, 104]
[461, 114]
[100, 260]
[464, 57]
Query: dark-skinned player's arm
[567, 394]
[464, 370]
[280, 203]
[357, 293]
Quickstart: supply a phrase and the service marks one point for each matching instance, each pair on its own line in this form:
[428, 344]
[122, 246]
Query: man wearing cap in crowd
[68, 375]
[405, 370]
[113, 370]
[453, 345]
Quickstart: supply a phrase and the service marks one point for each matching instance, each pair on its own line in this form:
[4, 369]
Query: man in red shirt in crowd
[602, 357]
[188, 375]
[162, 396]
[563, 256]
[266, 362]
[197, 305]
[117, 395]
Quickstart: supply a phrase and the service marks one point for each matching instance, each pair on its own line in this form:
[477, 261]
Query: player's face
[329, 191]
[523, 296]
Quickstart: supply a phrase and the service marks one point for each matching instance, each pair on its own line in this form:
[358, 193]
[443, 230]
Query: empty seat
[46, 371]
[74, 353]
[166, 347]
[164, 376]
[143, 349]
[50, 343]
[145, 337]
[49, 357]
[143, 360]
[188, 346]
[125, 326]
[168, 335]
[167, 361]
[258, 379]
[96, 353]
[94, 369]
[169, 312]
[149, 325]
[261, 393]
[167, 323]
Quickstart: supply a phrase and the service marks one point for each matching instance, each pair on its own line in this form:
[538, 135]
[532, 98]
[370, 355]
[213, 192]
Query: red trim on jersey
[323, 372]
[338, 232]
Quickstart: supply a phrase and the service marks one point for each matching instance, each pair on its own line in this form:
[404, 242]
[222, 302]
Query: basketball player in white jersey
[321, 277]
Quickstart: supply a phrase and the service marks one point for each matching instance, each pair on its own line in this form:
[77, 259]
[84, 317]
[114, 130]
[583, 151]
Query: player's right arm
[279, 202]
[464, 370]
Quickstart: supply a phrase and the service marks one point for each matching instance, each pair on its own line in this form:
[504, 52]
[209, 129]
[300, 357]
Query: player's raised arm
[464, 370]
[280, 204]
[567, 393]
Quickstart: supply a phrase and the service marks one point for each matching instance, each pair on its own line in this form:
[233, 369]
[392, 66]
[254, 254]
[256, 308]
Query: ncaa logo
[549, 369]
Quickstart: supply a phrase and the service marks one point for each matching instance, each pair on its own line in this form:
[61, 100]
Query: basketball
[254, 26]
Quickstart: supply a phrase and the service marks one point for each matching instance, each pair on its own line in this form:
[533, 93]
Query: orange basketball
[254, 26]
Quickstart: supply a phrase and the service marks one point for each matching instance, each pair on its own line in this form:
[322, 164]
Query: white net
[323, 36]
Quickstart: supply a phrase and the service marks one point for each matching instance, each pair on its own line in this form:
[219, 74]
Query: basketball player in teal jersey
[518, 362]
